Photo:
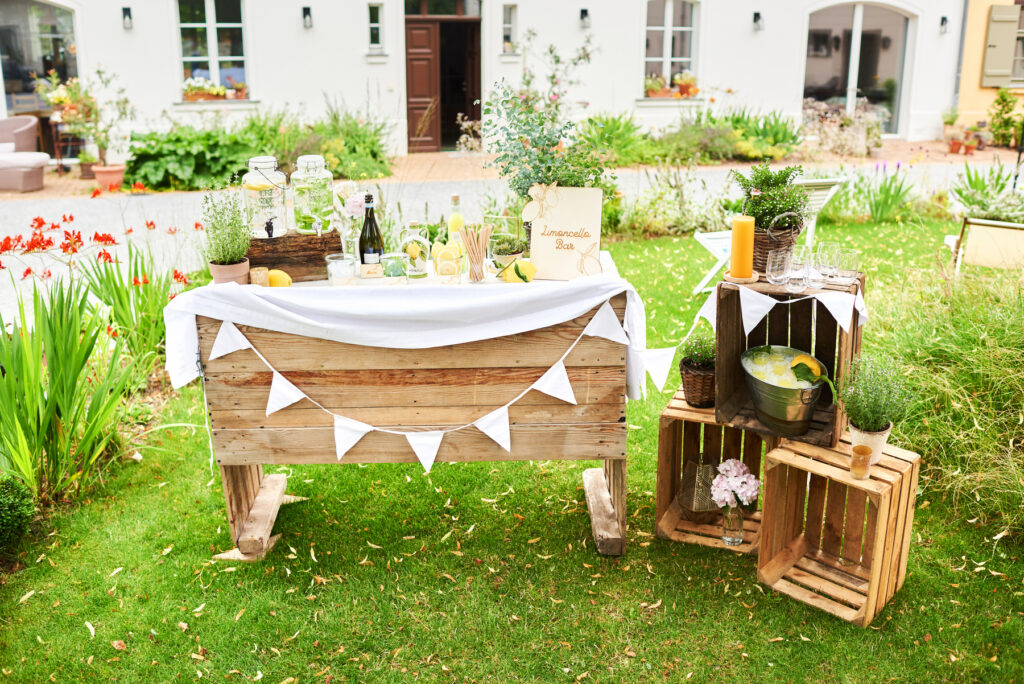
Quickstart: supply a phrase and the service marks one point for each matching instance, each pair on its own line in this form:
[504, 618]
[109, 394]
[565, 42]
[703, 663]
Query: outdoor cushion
[23, 160]
[6, 147]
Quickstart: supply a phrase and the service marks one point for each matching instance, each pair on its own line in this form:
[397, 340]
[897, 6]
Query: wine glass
[778, 266]
[798, 265]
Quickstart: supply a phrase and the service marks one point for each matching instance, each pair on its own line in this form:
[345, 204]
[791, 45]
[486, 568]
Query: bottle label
[369, 258]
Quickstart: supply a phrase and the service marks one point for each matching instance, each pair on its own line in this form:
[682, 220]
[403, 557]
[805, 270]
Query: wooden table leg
[253, 501]
[605, 489]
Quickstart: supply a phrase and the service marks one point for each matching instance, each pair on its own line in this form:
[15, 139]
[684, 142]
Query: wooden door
[423, 84]
[473, 71]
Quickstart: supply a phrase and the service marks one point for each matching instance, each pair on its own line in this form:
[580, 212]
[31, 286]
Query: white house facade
[418, 63]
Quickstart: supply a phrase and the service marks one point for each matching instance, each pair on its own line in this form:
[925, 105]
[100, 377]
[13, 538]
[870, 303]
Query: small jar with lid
[416, 246]
[263, 195]
[314, 198]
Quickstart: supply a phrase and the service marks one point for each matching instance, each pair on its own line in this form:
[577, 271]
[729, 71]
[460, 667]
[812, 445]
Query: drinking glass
[849, 267]
[778, 266]
[828, 259]
[860, 462]
[799, 262]
[341, 269]
[816, 272]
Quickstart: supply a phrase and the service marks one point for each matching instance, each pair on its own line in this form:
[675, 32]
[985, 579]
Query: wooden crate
[831, 541]
[424, 389]
[691, 434]
[806, 325]
[301, 256]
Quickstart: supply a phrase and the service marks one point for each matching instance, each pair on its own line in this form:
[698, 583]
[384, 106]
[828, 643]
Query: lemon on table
[447, 267]
[808, 361]
[278, 278]
[519, 271]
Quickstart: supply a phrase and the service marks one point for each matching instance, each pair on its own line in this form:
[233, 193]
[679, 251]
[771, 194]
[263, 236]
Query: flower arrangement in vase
[686, 82]
[734, 485]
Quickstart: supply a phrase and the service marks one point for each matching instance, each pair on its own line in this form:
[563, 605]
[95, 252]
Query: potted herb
[686, 82]
[697, 368]
[85, 164]
[970, 145]
[654, 86]
[227, 236]
[241, 91]
[874, 396]
[778, 207]
[505, 249]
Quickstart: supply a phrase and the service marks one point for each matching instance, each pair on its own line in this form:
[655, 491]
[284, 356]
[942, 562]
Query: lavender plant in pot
[227, 236]
[874, 397]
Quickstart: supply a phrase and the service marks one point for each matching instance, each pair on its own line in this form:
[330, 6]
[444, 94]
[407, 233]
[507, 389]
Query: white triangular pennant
[229, 339]
[659, 363]
[425, 444]
[347, 433]
[606, 324]
[495, 426]
[754, 307]
[862, 308]
[555, 383]
[840, 305]
[282, 393]
[709, 309]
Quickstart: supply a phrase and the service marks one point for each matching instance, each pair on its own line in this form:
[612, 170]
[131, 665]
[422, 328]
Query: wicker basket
[773, 238]
[698, 386]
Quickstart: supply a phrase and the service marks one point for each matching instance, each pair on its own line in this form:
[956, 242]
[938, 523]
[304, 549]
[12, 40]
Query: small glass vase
[732, 525]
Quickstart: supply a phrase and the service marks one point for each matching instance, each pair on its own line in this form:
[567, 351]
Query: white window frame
[1017, 81]
[666, 62]
[378, 47]
[212, 48]
[509, 28]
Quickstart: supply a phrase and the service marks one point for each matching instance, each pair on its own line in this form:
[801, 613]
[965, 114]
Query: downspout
[960, 55]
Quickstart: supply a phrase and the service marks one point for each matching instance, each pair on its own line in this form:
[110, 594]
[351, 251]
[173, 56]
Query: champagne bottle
[371, 244]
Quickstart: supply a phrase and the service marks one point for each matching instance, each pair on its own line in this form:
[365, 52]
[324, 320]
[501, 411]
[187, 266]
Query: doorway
[442, 71]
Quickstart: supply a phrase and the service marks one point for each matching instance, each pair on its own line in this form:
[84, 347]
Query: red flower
[129, 230]
[135, 281]
[180, 277]
[46, 275]
[38, 243]
[104, 255]
[172, 230]
[151, 225]
[198, 226]
[54, 226]
[9, 244]
[112, 332]
[137, 186]
[104, 239]
[38, 222]
[171, 296]
[72, 242]
[2, 267]
[70, 218]
[145, 280]
[26, 274]
[96, 192]
[114, 187]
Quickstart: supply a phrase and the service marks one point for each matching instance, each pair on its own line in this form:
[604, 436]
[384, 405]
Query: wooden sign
[565, 234]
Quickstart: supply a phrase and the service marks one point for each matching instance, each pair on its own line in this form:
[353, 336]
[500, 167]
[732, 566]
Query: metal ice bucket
[785, 410]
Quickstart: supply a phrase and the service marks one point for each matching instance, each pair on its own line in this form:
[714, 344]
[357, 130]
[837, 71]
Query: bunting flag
[606, 324]
[862, 307]
[229, 339]
[555, 383]
[282, 393]
[709, 309]
[754, 307]
[425, 444]
[659, 363]
[347, 433]
[495, 426]
[840, 305]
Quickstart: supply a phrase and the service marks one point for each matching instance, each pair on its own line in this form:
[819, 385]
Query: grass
[486, 572]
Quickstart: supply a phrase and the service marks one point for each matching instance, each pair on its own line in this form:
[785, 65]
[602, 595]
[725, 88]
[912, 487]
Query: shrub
[187, 158]
[1001, 122]
[618, 139]
[975, 189]
[674, 203]
[695, 142]
[61, 395]
[16, 510]
[771, 194]
[887, 195]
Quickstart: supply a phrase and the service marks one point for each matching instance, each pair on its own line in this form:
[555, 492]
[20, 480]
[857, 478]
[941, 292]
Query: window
[1003, 63]
[669, 34]
[34, 38]
[211, 40]
[452, 8]
[508, 29]
[376, 40]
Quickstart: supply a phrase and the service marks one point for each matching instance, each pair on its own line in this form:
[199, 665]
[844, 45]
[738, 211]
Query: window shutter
[1000, 43]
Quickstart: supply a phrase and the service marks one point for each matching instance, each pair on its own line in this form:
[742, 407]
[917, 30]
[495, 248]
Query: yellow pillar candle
[741, 264]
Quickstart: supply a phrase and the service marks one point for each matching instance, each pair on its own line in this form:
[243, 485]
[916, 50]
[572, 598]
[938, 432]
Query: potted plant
[654, 86]
[778, 207]
[697, 369]
[970, 145]
[949, 117]
[241, 91]
[873, 396]
[954, 145]
[686, 82]
[103, 128]
[227, 236]
[85, 164]
[505, 249]
[196, 89]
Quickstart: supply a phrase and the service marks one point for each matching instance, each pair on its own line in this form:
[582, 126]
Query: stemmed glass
[778, 266]
[799, 263]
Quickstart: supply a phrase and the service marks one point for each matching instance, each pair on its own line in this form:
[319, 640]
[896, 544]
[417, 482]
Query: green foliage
[977, 188]
[187, 158]
[771, 197]
[1001, 122]
[950, 115]
[887, 195]
[873, 393]
[695, 142]
[226, 223]
[548, 91]
[761, 136]
[60, 399]
[16, 510]
[508, 244]
[618, 139]
[675, 202]
[698, 350]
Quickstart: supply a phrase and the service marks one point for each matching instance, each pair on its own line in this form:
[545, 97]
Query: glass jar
[263, 195]
[314, 198]
[395, 264]
[732, 525]
[342, 269]
[417, 248]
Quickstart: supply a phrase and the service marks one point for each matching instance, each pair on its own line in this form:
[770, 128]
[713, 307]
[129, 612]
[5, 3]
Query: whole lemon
[278, 278]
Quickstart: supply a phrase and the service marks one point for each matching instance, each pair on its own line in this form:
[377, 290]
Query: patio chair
[982, 242]
[21, 167]
[719, 243]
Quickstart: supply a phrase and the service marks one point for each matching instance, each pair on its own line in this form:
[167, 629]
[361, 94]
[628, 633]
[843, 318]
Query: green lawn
[484, 572]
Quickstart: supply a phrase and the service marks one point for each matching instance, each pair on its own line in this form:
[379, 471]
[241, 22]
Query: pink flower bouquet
[734, 481]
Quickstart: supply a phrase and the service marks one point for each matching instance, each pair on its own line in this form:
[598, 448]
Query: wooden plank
[778, 324]
[871, 606]
[772, 571]
[840, 456]
[691, 442]
[712, 451]
[870, 530]
[771, 502]
[732, 444]
[839, 473]
[835, 508]
[288, 352]
[667, 485]
[316, 445]
[676, 435]
[798, 485]
[238, 494]
[749, 545]
[891, 552]
[816, 600]
[302, 256]
[815, 510]
[458, 387]
[608, 537]
[306, 414]
[730, 387]
[237, 556]
[853, 528]
[824, 586]
[752, 446]
[801, 324]
[903, 511]
[820, 431]
[833, 574]
[666, 523]
[758, 337]
[908, 527]
[825, 346]
[615, 478]
[260, 522]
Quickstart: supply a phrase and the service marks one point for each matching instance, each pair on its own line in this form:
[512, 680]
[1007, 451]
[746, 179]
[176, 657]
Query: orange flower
[67, 218]
[172, 230]
[180, 277]
[96, 192]
[26, 274]
[104, 255]
[198, 226]
[54, 226]
[104, 239]
[129, 230]
[137, 186]
[38, 222]
[112, 332]
[114, 187]
[151, 225]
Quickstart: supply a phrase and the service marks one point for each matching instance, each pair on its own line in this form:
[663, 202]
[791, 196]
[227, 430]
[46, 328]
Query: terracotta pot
[85, 169]
[873, 440]
[664, 92]
[969, 149]
[108, 175]
[242, 93]
[231, 273]
[954, 146]
[687, 89]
